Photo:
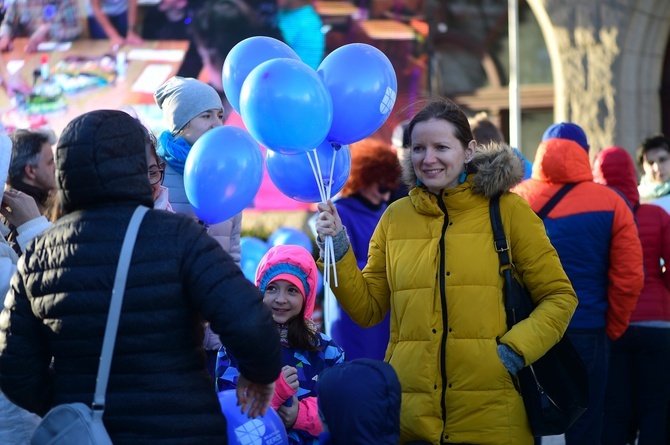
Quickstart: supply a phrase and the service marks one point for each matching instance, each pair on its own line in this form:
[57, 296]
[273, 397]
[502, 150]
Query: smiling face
[437, 155]
[201, 124]
[284, 299]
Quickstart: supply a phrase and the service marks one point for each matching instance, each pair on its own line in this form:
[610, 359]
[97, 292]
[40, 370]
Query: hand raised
[18, 208]
[328, 223]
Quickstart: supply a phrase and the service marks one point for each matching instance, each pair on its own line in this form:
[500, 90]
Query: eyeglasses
[384, 189]
[156, 176]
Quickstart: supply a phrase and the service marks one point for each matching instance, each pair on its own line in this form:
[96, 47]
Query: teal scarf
[173, 150]
[651, 190]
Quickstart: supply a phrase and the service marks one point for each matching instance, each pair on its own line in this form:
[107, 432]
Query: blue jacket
[594, 233]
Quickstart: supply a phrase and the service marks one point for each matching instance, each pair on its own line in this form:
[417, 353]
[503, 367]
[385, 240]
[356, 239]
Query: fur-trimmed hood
[494, 168]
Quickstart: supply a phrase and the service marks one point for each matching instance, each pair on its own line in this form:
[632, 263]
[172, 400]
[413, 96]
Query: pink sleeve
[308, 417]
[283, 392]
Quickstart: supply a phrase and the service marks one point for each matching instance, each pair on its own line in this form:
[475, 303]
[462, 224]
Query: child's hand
[291, 377]
[289, 414]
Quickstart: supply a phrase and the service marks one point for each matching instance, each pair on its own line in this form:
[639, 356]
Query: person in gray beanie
[190, 109]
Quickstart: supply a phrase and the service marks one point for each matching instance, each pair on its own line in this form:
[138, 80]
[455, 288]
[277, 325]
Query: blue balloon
[266, 430]
[244, 57]
[291, 235]
[286, 106]
[223, 173]
[253, 250]
[363, 86]
[293, 176]
[319, 282]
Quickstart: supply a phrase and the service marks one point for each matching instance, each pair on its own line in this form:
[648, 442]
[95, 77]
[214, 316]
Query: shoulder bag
[78, 423]
[555, 388]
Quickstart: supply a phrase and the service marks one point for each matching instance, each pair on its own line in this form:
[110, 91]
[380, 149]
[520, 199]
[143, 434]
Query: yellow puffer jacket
[432, 263]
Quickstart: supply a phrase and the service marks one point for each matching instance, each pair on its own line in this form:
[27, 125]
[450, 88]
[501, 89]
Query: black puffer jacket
[159, 389]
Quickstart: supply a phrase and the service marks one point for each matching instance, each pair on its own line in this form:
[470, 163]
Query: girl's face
[656, 165]
[438, 157]
[284, 299]
[201, 124]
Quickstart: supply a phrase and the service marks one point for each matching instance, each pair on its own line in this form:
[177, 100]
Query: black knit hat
[101, 159]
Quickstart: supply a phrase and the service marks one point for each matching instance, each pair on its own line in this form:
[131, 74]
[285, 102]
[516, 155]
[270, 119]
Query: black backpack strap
[544, 211]
[512, 299]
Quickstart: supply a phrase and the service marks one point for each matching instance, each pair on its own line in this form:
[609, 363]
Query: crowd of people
[125, 23]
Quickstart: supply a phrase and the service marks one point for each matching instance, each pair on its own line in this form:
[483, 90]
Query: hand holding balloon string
[325, 191]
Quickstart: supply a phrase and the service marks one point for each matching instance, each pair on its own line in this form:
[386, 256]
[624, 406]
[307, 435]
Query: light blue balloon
[291, 235]
[363, 86]
[265, 430]
[253, 250]
[293, 176]
[223, 173]
[286, 106]
[244, 57]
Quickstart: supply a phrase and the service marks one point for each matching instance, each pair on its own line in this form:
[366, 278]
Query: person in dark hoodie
[159, 389]
[359, 403]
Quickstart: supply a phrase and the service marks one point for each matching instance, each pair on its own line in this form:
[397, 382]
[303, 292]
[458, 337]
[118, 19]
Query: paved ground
[553, 440]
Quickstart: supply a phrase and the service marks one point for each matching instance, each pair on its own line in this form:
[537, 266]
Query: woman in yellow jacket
[432, 263]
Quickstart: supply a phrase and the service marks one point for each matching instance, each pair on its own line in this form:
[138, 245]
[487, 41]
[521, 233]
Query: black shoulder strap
[544, 211]
[512, 299]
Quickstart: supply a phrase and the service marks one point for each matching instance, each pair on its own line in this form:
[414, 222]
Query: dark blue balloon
[253, 250]
[266, 430]
[244, 57]
[363, 87]
[293, 176]
[290, 235]
[286, 106]
[223, 173]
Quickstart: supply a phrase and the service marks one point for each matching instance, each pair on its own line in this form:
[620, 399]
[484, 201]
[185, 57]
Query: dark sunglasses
[384, 189]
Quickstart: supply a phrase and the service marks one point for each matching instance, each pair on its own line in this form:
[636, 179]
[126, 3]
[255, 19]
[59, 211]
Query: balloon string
[329, 240]
[319, 182]
[329, 247]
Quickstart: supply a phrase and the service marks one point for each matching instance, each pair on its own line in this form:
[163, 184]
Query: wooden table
[335, 12]
[113, 96]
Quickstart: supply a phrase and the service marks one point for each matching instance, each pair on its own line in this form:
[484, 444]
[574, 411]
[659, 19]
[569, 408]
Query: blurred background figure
[115, 20]
[637, 387]
[485, 132]
[32, 171]
[374, 175]
[217, 27]
[172, 20]
[300, 26]
[58, 20]
[400, 143]
[653, 157]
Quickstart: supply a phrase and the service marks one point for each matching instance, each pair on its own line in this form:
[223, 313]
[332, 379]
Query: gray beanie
[183, 98]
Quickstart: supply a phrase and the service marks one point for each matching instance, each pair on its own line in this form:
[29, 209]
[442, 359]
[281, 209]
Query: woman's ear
[470, 150]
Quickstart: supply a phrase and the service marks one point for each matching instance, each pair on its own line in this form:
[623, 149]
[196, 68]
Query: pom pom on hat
[567, 130]
[183, 98]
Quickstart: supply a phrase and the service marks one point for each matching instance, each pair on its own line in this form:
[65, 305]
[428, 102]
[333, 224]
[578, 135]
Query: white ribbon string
[324, 192]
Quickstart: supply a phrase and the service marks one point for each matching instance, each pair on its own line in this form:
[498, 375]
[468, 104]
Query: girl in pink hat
[287, 276]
